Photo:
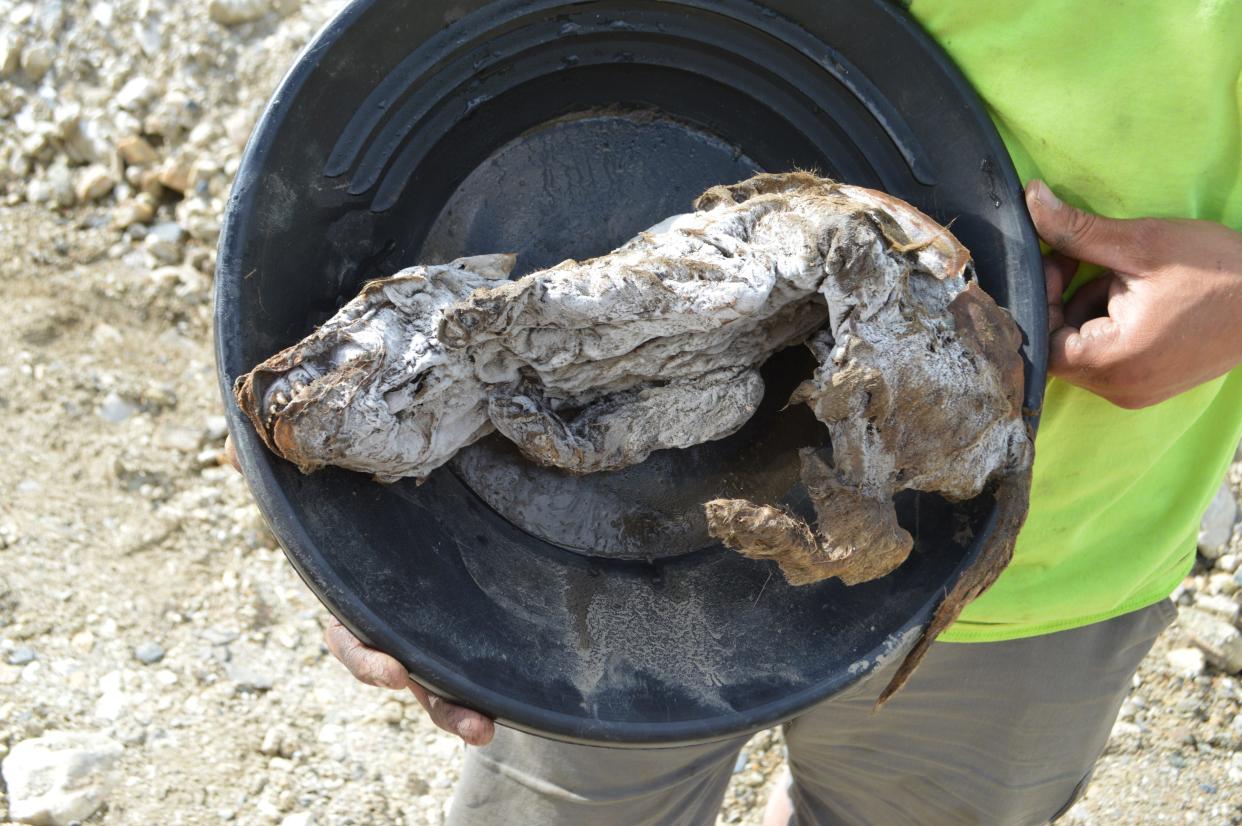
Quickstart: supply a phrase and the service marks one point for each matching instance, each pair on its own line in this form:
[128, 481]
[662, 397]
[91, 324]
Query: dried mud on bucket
[592, 365]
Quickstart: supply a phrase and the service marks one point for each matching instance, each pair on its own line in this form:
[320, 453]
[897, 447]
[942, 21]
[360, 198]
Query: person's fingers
[470, 726]
[1110, 242]
[1085, 355]
[365, 663]
[378, 669]
[1058, 271]
[1091, 301]
[230, 453]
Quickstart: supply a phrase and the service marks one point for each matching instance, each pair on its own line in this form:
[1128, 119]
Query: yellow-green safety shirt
[1127, 109]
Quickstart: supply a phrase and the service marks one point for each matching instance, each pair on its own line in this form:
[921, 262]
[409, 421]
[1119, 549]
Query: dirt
[121, 536]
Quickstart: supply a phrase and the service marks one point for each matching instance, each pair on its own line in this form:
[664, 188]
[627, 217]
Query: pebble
[1217, 524]
[298, 819]
[1227, 563]
[175, 174]
[1182, 736]
[60, 180]
[249, 676]
[1177, 761]
[149, 652]
[1187, 661]
[60, 778]
[135, 93]
[180, 439]
[1190, 706]
[138, 211]
[217, 635]
[235, 12]
[36, 60]
[115, 409]
[137, 151]
[392, 712]
[215, 429]
[94, 182]
[10, 53]
[163, 241]
[1218, 604]
[21, 655]
[111, 704]
[1222, 583]
[1220, 641]
[278, 742]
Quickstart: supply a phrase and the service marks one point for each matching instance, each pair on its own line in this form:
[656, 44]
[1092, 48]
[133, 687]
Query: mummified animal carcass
[592, 365]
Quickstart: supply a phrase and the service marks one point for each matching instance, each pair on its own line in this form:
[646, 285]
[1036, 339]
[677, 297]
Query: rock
[36, 61]
[215, 429]
[94, 182]
[136, 151]
[175, 174]
[1227, 563]
[21, 655]
[149, 37]
[1187, 661]
[1190, 706]
[277, 742]
[235, 12]
[180, 439]
[208, 457]
[1221, 583]
[298, 819]
[140, 210]
[1220, 641]
[149, 183]
[10, 53]
[38, 191]
[59, 778]
[1217, 524]
[135, 93]
[249, 675]
[111, 704]
[219, 636]
[1218, 604]
[1182, 736]
[149, 652]
[392, 712]
[83, 642]
[164, 242]
[116, 409]
[60, 179]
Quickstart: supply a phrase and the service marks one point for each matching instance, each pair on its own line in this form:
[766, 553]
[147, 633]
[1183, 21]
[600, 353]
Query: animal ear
[498, 265]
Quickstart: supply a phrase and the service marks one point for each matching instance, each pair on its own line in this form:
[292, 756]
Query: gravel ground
[154, 644]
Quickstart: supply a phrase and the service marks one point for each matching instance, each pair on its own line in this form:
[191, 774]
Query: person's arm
[1165, 317]
[378, 669]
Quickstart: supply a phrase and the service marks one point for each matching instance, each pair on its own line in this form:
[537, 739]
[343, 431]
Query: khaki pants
[999, 734]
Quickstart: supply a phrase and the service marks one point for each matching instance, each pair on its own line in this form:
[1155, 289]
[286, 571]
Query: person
[1105, 112]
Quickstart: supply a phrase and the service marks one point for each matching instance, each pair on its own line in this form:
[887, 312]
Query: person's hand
[378, 669]
[1166, 315]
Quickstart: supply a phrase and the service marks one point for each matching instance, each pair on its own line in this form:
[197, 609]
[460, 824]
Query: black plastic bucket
[596, 609]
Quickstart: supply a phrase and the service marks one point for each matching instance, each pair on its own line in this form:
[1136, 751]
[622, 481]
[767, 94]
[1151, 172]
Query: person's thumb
[1109, 242]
